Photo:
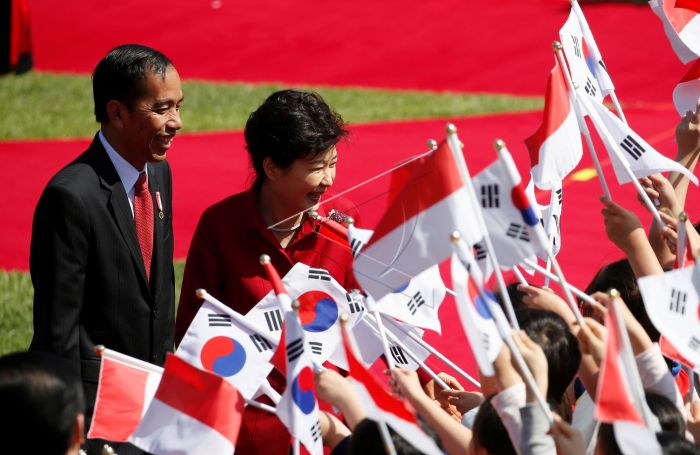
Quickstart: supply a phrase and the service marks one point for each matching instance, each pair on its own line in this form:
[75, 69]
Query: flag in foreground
[192, 412]
[687, 92]
[124, 392]
[682, 27]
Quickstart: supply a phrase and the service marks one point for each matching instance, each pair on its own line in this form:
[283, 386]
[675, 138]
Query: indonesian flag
[669, 351]
[322, 301]
[192, 412]
[555, 148]
[595, 60]
[382, 407]
[671, 301]
[298, 407]
[218, 342]
[620, 395]
[626, 148]
[473, 305]
[124, 392]
[688, 4]
[682, 27]
[687, 92]
[427, 201]
[572, 41]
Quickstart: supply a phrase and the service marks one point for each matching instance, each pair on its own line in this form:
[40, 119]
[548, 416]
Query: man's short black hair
[41, 396]
[120, 74]
[291, 124]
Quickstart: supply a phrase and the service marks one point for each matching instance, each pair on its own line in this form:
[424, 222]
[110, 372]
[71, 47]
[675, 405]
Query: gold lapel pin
[160, 205]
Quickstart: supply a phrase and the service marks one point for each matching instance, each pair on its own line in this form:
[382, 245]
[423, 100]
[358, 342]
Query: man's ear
[78, 436]
[115, 112]
[272, 172]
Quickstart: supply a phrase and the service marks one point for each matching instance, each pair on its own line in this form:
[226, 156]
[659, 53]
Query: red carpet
[208, 167]
[466, 45]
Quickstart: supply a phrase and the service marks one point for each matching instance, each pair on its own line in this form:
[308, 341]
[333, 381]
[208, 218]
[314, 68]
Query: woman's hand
[622, 227]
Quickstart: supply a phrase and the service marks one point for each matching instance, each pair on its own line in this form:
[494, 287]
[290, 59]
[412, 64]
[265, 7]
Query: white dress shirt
[128, 174]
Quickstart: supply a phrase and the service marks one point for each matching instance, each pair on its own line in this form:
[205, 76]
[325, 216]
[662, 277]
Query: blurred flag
[687, 92]
[555, 148]
[298, 407]
[358, 238]
[693, 5]
[216, 341]
[124, 392]
[427, 201]
[193, 412]
[622, 143]
[684, 248]
[571, 37]
[381, 406]
[595, 60]
[682, 27]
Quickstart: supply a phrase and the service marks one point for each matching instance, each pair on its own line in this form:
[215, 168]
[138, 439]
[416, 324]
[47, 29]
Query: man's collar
[128, 174]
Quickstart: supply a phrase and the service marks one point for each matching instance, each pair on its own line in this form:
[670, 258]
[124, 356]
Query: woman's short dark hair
[120, 74]
[488, 431]
[291, 124]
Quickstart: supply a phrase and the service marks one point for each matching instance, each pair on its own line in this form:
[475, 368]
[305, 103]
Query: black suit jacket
[89, 280]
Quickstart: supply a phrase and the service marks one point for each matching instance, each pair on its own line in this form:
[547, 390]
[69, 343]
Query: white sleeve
[657, 378]
[507, 404]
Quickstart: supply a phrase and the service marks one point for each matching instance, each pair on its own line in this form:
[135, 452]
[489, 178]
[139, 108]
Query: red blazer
[224, 259]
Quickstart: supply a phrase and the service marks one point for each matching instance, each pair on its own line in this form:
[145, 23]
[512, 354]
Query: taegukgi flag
[573, 45]
[682, 27]
[427, 201]
[595, 59]
[193, 412]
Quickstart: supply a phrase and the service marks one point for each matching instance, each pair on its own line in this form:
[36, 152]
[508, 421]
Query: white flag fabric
[682, 28]
[193, 412]
[671, 301]
[512, 239]
[417, 302]
[687, 92]
[622, 143]
[322, 301]
[298, 407]
[477, 320]
[555, 148]
[427, 201]
[358, 238]
[551, 217]
[217, 342]
[571, 37]
[595, 59]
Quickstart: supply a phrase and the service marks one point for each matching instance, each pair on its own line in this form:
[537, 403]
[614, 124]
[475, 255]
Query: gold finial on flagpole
[264, 259]
[556, 46]
[432, 144]
[614, 293]
[296, 305]
[344, 318]
[99, 349]
[200, 293]
[451, 128]
[107, 450]
[349, 220]
[499, 145]
[682, 217]
[455, 236]
[313, 214]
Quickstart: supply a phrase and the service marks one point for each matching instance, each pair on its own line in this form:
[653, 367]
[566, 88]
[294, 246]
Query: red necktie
[143, 218]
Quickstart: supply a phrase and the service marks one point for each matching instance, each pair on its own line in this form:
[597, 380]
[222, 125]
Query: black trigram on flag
[316, 347]
[274, 320]
[489, 196]
[355, 246]
[415, 302]
[694, 343]
[577, 46]
[560, 196]
[518, 231]
[294, 349]
[678, 300]
[219, 320]
[485, 341]
[316, 430]
[590, 87]
[479, 251]
[355, 306]
[261, 344]
[319, 274]
[632, 147]
[398, 355]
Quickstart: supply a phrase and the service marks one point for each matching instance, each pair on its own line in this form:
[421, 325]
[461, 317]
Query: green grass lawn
[44, 105]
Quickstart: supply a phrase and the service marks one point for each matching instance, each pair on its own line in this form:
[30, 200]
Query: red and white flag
[692, 5]
[575, 50]
[682, 27]
[217, 341]
[620, 395]
[382, 407]
[687, 92]
[124, 392]
[298, 407]
[427, 201]
[192, 412]
[555, 148]
[626, 148]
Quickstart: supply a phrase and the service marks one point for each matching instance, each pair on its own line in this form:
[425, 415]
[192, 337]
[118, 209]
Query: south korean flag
[672, 303]
[322, 301]
[298, 407]
[217, 342]
[571, 37]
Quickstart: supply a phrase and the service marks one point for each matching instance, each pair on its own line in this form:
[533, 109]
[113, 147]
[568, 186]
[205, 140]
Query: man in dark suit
[102, 239]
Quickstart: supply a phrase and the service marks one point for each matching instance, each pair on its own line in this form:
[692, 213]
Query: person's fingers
[595, 327]
[668, 218]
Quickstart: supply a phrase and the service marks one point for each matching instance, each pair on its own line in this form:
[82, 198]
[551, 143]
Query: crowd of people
[101, 266]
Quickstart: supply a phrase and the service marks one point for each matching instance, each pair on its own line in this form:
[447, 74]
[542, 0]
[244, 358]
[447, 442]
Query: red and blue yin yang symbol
[522, 203]
[304, 390]
[223, 355]
[402, 288]
[478, 301]
[318, 311]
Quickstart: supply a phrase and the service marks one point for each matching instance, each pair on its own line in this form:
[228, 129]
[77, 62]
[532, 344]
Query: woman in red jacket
[291, 141]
